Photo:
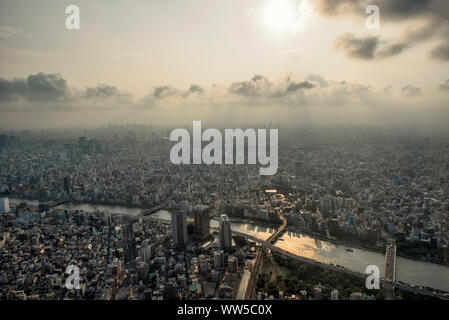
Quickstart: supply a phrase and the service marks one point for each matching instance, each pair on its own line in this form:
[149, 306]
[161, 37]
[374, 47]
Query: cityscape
[139, 227]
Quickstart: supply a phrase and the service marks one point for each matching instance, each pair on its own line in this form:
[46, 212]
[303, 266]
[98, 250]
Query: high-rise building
[202, 227]
[225, 232]
[334, 295]
[218, 259]
[3, 142]
[4, 204]
[317, 293]
[232, 264]
[179, 228]
[355, 296]
[67, 185]
[299, 169]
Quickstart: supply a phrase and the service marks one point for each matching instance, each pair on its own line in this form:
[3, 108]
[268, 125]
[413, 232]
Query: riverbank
[337, 241]
[75, 202]
[364, 247]
[317, 247]
[261, 223]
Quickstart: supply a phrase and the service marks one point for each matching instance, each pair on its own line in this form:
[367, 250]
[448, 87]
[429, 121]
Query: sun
[285, 16]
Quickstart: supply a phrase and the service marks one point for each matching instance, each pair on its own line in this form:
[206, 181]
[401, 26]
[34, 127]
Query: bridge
[54, 205]
[146, 212]
[257, 268]
[390, 269]
[385, 282]
[279, 231]
[390, 261]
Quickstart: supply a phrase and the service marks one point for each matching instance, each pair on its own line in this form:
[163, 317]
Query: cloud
[37, 87]
[441, 52]
[399, 9]
[194, 89]
[424, 19]
[257, 86]
[391, 50]
[260, 87]
[8, 32]
[105, 96]
[444, 86]
[411, 91]
[317, 78]
[11, 90]
[46, 87]
[360, 48]
[373, 48]
[102, 90]
[292, 87]
[394, 10]
[287, 100]
[164, 92]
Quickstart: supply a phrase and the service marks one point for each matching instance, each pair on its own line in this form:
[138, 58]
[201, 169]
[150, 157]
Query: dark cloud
[46, 87]
[257, 86]
[336, 7]
[101, 91]
[12, 90]
[361, 48]
[317, 78]
[194, 88]
[440, 8]
[292, 87]
[260, 86]
[369, 47]
[444, 86]
[164, 92]
[411, 91]
[441, 52]
[37, 87]
[399, 9]
[391, 50]
[432, 23]
[391, 9]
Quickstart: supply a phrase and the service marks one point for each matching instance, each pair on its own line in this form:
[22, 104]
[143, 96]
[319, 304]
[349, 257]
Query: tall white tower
[4, 204]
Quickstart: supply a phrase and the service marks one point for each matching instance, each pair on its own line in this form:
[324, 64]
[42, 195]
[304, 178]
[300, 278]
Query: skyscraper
[334, 294]
[202, 227]
[225, 232]
[4, 204]
[67, 184]
[299, 169]
[218, 259]
[232, 264]
[317, 293]
[179, 228]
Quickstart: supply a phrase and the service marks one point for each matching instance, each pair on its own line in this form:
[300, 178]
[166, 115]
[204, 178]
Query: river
[410, 271]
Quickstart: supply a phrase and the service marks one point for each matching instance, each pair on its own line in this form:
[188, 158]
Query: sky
[294, 62]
